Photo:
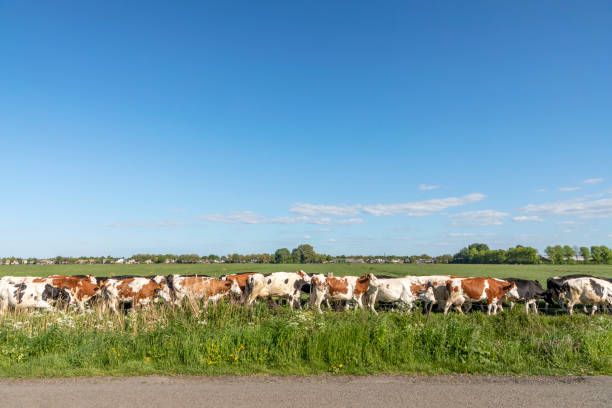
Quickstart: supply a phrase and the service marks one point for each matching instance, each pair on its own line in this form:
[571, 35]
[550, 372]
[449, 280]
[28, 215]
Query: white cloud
[333, 210]
[315, 221]
[249, 217]
[242, 217]
[569, 188]
[331, 240]
[581, 208]
[527, 218]
[421, 208]
[570, 223]
[480, 218]
[541, 190]
[461, 234]
[145, 224]
[593, 180]
[426, 187]
[307, 237]
[609, 235]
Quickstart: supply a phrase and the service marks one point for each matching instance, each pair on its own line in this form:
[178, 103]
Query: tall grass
[235, 340]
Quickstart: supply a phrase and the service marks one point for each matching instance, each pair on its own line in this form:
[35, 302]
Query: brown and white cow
[405, 290]
[138, 291]
[346, 288]
[241, 279]
[438, 285]
[282, 284]
[196, 289]
[586, 291]
[491, 290]
[81, 288]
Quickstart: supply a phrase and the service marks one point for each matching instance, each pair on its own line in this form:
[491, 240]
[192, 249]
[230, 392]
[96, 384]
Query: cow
[405, 290]
[467, 290]
[347, 288]
[81, 288]
[438, 285]
[199, 288]
[282, 284]
[529, 291]
[241, 279]
[39, 295]
[137, 291]
[586, 291]
[553, 288]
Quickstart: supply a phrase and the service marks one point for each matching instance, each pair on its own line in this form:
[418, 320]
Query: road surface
[319, 391]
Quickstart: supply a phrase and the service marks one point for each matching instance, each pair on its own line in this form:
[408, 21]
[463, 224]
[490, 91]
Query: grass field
[540, 272]
[235, 340]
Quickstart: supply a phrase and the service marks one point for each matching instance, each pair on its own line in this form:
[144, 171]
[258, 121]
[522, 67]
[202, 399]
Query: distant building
[120, 261]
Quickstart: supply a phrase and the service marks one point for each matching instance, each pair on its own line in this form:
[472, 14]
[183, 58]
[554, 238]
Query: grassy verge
[232, 340]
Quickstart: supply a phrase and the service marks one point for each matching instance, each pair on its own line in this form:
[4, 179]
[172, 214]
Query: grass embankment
[541, 272]
[232, 340]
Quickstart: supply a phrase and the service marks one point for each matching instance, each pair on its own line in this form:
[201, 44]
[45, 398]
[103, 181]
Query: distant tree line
[481, 254]
[476, 253]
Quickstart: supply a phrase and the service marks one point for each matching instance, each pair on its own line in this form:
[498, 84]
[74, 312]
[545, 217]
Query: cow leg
[358, 302]
[447, 306]
[593, 309]
[570, 307]
[512, 305]
[317, 304]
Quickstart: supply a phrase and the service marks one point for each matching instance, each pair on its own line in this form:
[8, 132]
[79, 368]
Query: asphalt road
[325, 391]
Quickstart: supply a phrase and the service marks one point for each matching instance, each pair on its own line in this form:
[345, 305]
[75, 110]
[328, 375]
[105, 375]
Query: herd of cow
[446, 291]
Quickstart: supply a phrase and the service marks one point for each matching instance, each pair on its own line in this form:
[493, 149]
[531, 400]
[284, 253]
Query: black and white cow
[529, 292]
[39, 295]
[594, 291]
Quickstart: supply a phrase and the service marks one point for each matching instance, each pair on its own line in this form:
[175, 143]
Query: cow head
[235, 288]
[163, 290]
[426, 294]
[304, 276]
[511, 291]
[318, 283]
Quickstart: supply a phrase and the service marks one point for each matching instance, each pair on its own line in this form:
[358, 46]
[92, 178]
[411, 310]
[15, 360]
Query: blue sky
[362, 128]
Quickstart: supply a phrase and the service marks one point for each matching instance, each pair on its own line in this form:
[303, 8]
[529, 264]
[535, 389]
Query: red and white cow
[81, 288]
[138, 291]
[467, 290]
[201, 288]
[241, 279]
[282, 284]
[346, 288]
[405, 290]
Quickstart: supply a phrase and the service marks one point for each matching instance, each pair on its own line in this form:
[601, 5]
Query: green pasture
[539, 272]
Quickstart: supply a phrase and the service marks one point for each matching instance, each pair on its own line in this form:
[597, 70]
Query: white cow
[405, 290]
[282, 284]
